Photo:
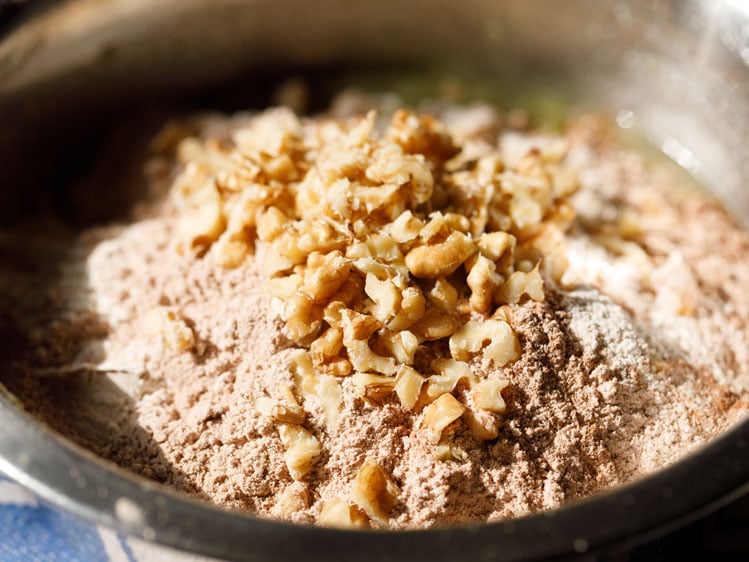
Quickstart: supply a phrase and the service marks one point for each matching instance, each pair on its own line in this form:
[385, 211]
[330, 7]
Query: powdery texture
[612, 384]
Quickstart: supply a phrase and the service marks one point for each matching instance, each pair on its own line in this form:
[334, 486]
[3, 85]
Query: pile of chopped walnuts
[394, 260]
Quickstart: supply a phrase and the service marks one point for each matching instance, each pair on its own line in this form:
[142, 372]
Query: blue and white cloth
[30, 531]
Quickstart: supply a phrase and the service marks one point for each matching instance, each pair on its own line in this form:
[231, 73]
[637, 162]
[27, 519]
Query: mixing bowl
[675, 70]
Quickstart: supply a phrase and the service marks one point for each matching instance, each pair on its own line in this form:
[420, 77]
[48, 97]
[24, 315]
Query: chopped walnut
[483, 281]
[401, 345]
[202, 220]
[292, 500]
[339, 513]
[408, 383]
[436, 325]
[440, 260]
[173, 330]
[447, 452]
[302, 449]
[451, 373]
[444, 295]
[325, 274]
[482, 424]
[379, 249]
[327, 346]
[303, 317]
[441, 413]
[373, 387]
[487, 395]
[521, 283]
[279, 411]
[320, 388]
[374, 492]
[495, 336]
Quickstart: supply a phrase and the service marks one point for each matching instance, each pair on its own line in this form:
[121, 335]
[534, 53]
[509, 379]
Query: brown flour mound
[638, 357]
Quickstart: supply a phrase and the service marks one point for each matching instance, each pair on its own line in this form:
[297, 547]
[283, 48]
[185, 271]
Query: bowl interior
[676, 70]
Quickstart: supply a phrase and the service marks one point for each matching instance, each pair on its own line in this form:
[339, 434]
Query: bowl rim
[68, 477]
[74, 480]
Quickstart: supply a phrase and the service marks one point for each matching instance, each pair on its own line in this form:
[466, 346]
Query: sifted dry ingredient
[170, 364]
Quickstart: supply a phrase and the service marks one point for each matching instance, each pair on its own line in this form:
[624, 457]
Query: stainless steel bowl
[677, 69]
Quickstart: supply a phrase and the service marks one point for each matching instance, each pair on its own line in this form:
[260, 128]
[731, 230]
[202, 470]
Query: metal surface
[677, 68]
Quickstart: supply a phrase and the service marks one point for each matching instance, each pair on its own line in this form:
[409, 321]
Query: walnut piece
[302, 449]
[318, 387]
[440, 260]
[174, 331]
[521, 283]
[441, 413]
[495, 336]
[279, 411]
[487, 395]
[373, 387]
[292, 500]
[374, 492]
[451, 373]
[341, 514]
[408, 383]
